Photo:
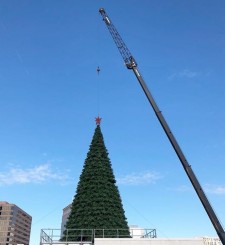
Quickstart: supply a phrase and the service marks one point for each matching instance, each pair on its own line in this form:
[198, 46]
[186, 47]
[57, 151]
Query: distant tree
[97, 203]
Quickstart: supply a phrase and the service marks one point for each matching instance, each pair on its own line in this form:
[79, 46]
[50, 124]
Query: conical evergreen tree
[97, 203]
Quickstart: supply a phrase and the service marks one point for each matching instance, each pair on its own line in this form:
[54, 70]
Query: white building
[136, 231]
[66, 213]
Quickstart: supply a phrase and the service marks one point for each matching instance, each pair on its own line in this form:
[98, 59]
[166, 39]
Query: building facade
[66, 213]
[15, 225]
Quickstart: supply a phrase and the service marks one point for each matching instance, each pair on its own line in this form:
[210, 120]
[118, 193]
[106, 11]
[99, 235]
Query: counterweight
[131, 64]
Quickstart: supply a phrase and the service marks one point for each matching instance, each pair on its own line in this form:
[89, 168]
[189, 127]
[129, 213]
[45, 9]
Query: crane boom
[131, 64]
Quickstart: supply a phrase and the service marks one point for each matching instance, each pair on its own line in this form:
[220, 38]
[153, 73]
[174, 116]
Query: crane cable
[98, 85]
[98, 91]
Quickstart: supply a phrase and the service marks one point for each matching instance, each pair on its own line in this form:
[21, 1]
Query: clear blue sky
[50, 94]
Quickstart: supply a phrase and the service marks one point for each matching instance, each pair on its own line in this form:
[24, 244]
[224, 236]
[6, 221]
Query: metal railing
[87, 236]
[212, 241]
[45, 237]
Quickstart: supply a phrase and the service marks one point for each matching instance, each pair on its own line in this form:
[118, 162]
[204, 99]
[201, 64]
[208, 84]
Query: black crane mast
[131, 64]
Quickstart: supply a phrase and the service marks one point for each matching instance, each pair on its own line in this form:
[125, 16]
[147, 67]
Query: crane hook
[98, 70]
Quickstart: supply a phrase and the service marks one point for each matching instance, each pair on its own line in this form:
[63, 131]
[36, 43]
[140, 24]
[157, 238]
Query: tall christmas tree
[97, 203]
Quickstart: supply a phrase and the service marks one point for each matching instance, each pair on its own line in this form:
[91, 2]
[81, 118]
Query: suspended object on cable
[98, 70]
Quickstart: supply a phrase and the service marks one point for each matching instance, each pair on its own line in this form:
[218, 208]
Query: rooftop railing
[87, 236]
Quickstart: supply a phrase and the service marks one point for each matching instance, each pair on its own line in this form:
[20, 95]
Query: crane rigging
[131, 64]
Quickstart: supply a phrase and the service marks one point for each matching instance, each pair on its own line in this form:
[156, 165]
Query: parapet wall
[153, 241]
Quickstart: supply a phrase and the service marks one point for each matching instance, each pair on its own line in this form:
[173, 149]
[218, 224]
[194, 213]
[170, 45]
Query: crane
[132, 65]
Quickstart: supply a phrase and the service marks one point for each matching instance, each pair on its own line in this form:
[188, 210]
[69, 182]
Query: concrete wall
[144, 241]
[153, 241]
